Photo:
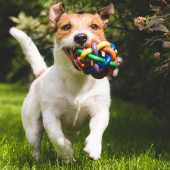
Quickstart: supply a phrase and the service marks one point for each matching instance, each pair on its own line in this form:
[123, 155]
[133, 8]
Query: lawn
[134, 139]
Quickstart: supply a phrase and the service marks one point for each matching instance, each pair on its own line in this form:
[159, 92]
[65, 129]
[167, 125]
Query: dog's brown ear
[104, 14]
[55, 13]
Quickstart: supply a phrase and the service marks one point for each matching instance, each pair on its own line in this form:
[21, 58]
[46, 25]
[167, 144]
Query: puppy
[62, 100]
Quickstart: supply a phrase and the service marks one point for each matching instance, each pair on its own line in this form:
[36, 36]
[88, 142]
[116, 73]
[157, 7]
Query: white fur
[116, 71]
[69, 42]
[61, 101]
[32, 54]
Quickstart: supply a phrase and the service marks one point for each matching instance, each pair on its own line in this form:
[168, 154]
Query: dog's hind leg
[32, 122]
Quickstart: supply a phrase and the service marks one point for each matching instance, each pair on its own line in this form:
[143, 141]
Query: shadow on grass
[133, 129]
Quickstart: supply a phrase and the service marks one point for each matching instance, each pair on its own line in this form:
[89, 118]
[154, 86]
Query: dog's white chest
[72, 114]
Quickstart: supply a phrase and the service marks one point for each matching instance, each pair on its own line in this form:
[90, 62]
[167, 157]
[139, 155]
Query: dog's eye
[94, 26]
[66, 27]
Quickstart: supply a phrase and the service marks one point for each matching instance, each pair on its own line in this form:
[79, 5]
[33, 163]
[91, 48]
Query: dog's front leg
[98, 124]
[52, 125]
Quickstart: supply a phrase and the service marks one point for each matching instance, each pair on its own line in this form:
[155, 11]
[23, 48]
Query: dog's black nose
[80, 38]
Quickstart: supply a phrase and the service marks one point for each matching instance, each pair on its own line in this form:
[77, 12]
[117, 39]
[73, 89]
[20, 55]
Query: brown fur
[54, 14]
[79, 22]
[42, 71]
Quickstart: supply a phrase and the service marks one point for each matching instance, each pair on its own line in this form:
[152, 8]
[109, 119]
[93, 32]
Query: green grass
[134, 139]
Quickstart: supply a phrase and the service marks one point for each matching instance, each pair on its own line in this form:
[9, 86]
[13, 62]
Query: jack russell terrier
[62, 100]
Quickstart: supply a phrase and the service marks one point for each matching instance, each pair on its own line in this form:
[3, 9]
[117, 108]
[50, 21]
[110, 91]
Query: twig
[158, 39]
[165, 2]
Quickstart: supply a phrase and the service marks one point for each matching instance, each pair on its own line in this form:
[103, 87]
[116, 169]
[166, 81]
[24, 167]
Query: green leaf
[22, 16]
[165, 74]
[147, 20]
[152, 43]
[14, 19]
[157, 68]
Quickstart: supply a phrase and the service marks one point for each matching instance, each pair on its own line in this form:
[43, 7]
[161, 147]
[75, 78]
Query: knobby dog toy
[90, 62]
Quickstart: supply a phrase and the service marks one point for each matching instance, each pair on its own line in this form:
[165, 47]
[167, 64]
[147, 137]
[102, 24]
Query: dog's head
[76, 30]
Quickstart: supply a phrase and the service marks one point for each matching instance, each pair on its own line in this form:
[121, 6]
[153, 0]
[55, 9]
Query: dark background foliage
[7, 50]
[137, 79]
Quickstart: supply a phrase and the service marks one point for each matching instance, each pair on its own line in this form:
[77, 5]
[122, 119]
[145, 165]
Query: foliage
[158, 22]
[7, 50]
[39, 30]
[131, 141]
[137, 79]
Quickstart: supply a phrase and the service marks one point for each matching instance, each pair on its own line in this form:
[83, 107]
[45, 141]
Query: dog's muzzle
[80, 40]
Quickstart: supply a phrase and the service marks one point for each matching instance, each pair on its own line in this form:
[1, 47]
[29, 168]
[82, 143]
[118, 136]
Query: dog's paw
[93, 148]
[66, 161]
[36, 154]
[65, 152]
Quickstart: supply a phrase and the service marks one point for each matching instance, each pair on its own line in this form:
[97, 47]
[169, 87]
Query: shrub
[137, 79]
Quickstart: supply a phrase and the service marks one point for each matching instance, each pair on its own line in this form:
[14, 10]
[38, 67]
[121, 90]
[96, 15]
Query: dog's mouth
[71, 54]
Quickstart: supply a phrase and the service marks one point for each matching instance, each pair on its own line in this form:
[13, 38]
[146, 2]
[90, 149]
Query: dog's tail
[32, 54]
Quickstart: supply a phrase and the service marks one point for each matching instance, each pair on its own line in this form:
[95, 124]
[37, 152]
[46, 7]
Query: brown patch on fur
[79, 22]
[41, 73]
